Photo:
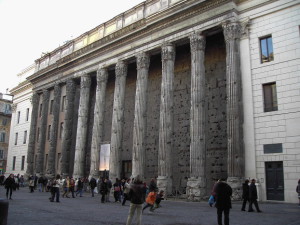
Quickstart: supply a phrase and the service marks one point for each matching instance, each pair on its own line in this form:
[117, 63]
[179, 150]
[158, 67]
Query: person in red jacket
[150, 200]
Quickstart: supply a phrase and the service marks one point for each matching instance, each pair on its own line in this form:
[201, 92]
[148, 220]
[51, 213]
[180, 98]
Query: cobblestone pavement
[36, 209]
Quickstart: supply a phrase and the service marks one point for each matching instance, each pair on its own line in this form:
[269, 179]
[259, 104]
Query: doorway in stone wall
[274, 181]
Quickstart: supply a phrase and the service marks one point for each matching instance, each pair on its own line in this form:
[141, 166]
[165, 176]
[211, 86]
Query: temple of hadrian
[162, 90]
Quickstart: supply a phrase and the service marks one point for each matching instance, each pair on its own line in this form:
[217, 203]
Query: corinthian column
[164, 180]
[32, 136]
[232, 33]
[53, 134]
[67, 130]
[42, 136]
[81, 136]
[197, 182]
[97, 138]
[139, 126]
[117, 121]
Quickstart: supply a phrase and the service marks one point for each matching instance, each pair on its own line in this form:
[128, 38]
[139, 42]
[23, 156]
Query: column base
[196, 189]
[236, 184]
[164, 183]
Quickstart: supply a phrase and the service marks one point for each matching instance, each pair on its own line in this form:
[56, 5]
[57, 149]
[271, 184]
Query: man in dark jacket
[93, 184]
[137, 195]
[253, 196]
[9, 185]
[223, 201]
[245, 194]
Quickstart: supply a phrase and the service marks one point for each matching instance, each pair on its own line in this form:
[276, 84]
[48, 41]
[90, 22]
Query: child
[150, 200]
[159, 197]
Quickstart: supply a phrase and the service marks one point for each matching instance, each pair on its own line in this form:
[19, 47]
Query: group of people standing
[222, 193]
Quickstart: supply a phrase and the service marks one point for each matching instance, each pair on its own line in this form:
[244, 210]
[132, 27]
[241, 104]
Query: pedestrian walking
[9, 185]
[223, 201]
[109, 186]
[66, 187]
[150, 200]
[103, 189]
[117, 190]
[245, 194]
[31, 184]
[80, 187]
[55, 189]
[126, 190]
[298, 191]
[253, 197]
[93, 184]
[159, 197]
[72, 187]
[137, 198]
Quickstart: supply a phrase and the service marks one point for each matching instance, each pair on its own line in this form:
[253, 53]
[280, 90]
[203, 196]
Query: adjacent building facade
[5, 119]
[20, 124]
[185, 91]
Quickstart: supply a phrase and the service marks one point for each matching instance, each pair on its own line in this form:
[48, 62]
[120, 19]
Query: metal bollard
[3, 211]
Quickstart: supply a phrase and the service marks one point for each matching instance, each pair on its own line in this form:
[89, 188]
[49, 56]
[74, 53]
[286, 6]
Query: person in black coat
[103, 189]
[9, 185]
[223, 201]
[93, 184]
[245, 194]
[253, 197]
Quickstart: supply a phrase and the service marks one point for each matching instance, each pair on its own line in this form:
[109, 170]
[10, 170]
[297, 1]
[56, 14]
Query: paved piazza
[35, 209]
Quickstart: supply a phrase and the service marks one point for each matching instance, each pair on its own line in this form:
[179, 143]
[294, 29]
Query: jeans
[9, 190]
[226, 215]
[138, 208]
[55, 194]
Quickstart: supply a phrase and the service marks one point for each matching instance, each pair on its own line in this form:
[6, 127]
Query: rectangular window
[61, 130]
[270, 97]
[49, 132]
[2, 137]
[266, 49]
[23, 162]
[25, 137]
[4, 121]
[1, 154]
[18, 119]
[16, 139]
[63, 103]
[272, 148]
[41, 107]
[27, 114]
[14, 163]
[51, 106]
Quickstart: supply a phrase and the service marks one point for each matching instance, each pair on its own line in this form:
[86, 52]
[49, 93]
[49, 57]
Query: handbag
[211, 200]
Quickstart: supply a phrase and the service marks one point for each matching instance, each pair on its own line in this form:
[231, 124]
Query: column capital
[46, 95]
[197, 41]
[168, 51]
[56, 89]
[121, 68]
[232, 30]
[142, 60]
[102, 74]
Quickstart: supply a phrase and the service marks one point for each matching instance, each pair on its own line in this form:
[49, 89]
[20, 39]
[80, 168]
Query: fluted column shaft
[139, 124]
[198, 106]
[232, 33]
[117, 121]
[102, 75]
[164, 180]
[82, 125]
[32, 135]
[42, 136]
[53, 134]
[68, 125]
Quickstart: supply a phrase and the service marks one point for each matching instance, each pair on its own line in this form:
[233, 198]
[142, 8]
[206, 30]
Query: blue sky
[30, 27]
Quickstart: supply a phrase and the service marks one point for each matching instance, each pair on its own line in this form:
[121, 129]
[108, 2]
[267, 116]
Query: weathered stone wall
[152, 130]
[182, 106]
[216, 134]
[127, 140]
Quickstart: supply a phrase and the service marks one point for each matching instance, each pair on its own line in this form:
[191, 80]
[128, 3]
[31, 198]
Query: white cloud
[30, 27]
